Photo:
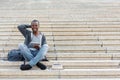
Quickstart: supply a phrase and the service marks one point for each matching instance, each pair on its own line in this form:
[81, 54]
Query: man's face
[34, 26]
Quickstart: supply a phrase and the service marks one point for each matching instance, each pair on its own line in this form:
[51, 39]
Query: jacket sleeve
[23, 29]
[44, 41]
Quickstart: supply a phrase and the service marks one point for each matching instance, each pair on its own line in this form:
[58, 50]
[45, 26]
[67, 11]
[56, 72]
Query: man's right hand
[36, 46]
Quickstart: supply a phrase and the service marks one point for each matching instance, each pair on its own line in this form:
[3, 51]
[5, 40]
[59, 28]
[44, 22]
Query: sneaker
[25, 67]
[41, 66]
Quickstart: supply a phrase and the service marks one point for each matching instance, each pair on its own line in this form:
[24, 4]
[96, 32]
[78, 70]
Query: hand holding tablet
[35, 43]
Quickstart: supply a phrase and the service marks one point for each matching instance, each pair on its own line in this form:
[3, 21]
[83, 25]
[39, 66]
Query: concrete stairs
[83, 35]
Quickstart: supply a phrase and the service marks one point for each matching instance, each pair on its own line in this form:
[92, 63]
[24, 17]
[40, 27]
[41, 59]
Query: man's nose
[33, 26]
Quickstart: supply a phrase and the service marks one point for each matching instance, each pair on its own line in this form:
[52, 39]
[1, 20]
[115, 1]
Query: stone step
[110, 43]
[19, 34]
[16, 73]
[108, 46]
[85, 29]
[87, 43]
[86, 33]
[90, 73]
[50, 56]
[67, 33]
[109, 38]
[53, 20]
[112, 49]
[67, 38]
[67, 22]
[60, 78]
[79, 49]
[84, 26]
[58, 38]
[67, 49]
[78, 56]
[75, 56]
[87, 56]
[48, 29]
[15, 30]
[73, 38]
[70, 64]
[19, 38]
[105, 29]
[57, 43]
[16, 43]
[67, 30]
[5, 49]
[64, 26]
[14, 26]
[67, 73]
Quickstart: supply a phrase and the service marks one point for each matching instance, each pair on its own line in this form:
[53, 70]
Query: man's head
[35, 25]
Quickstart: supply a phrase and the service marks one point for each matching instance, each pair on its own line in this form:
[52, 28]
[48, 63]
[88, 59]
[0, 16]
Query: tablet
[33, 43]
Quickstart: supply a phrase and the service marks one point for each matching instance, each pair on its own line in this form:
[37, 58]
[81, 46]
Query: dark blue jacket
[27, 34]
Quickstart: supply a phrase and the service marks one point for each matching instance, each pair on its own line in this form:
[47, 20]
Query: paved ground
[60, 10]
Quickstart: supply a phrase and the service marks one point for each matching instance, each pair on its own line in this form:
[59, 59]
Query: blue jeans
[33, 56]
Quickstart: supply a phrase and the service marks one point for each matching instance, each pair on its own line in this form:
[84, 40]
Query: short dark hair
[35, 21]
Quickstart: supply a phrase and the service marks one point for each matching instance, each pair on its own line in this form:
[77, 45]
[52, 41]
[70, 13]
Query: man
[35, 46]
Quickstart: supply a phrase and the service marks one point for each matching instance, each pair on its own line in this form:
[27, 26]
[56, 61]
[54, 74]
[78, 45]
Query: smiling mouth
[34, 29]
